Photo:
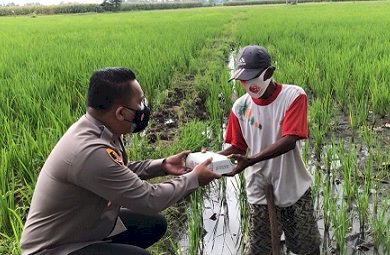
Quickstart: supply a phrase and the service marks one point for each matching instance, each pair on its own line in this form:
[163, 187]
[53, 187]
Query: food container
[220, 164]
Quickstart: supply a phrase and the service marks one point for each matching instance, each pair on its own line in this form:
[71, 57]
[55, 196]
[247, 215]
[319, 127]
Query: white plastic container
[220, 164]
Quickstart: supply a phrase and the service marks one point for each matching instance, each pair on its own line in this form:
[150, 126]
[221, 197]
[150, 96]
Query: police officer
[88, 199]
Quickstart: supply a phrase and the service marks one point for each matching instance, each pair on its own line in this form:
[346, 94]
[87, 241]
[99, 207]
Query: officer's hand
[175, 165]
[242, 163]
[204, 173]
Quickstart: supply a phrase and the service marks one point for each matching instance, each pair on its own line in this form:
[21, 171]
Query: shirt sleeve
[234, 134]
[147, 169]
[115, 182]
[295, 119]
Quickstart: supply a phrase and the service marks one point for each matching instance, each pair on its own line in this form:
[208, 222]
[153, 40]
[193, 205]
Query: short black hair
[109, 86]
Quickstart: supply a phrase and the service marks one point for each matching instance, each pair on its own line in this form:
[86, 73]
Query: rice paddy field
[338, 52]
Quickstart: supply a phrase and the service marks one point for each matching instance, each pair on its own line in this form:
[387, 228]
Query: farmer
[265, 129]
[88, 198]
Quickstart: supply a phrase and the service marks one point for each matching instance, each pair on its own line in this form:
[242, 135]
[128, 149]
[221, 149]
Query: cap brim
[244, 74]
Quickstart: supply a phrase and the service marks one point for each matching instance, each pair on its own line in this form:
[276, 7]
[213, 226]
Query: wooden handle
[275, 239]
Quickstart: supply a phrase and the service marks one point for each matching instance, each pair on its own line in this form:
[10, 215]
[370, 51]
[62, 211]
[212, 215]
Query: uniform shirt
[255, 124]
[82, 185]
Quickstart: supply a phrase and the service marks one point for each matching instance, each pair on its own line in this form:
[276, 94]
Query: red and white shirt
[255, 124]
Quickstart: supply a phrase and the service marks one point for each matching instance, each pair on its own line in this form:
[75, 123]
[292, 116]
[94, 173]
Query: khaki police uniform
[82, 185]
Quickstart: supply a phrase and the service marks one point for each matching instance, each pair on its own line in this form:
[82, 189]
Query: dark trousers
[142, 231]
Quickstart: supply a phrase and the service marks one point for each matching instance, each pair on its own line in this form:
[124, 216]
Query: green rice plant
[380, 172]
[319, 139]
[328, 200]
[222, 188]
[193, 136]
[362, 206]
[329, 162]
[306, 153]
[387, 234]
[7, 194]
[17, 228]
[239, 185]
[218, 94]
[367, 135]
[349, 164]
[358, 114]
[174, 249]
[378, 222]
[195, 223]
[340, 223]
[328, 185]
[320, 115]
[364, 195]
[379, 97]
[316, 187]
[375, 199]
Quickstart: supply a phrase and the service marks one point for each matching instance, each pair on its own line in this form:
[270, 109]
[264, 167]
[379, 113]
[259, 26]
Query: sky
[48, 2]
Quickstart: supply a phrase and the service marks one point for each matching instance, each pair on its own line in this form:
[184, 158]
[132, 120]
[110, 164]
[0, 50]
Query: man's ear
[119, 113]
[270, 71]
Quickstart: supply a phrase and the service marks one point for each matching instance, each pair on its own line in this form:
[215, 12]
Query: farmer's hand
[175, 164]
[204, 173]
[242, 163]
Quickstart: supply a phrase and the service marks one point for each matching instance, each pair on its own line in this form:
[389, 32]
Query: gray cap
[251, 61]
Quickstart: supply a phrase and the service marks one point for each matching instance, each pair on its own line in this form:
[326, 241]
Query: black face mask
[141, 118]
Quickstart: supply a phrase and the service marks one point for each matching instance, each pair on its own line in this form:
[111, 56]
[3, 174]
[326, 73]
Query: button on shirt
[82, 185]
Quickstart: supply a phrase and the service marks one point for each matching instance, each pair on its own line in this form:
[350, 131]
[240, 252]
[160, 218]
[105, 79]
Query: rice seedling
[340, 222]
[174, 247]
[348, 161]
[240, 189]
[387, 241]
[320, 118]
[195, 223]
[363, 197]
[316, 187]
[380, 99]
[317, 132]
[358, 114]
[328, 201]
[378, 221]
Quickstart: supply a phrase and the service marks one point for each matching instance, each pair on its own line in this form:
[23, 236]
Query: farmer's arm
[281, 146]
[231, 150]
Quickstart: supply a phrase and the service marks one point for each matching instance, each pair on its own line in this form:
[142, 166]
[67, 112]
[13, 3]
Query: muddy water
[221, 219]
[221, 222]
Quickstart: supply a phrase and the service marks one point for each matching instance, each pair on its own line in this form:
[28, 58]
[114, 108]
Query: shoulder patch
[114, 156]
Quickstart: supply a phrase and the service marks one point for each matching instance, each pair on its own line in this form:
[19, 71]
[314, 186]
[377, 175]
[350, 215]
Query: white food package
[220, 164]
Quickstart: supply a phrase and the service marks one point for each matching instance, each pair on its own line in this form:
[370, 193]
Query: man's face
[137, 96]
[258, 85]
[126, 112]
